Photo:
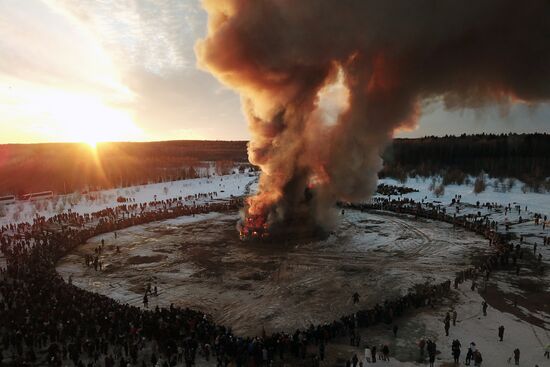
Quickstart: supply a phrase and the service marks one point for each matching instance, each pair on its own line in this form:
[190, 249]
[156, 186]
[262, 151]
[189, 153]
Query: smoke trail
[392, 56]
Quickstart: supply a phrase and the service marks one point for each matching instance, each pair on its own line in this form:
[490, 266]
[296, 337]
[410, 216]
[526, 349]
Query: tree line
[522, 156]
[69, 167]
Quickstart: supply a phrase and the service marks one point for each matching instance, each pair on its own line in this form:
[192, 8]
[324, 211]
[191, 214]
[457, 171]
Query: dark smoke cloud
[392, 56]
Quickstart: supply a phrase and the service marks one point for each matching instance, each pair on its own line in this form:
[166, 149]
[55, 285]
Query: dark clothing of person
[516, 356]
[469, 356]
[456, 355]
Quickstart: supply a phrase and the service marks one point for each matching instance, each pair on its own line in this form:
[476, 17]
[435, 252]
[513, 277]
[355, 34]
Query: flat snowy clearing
[201, 263]
[197, 261]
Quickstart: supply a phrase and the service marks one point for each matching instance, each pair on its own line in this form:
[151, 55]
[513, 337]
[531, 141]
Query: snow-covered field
[201, 263]
[535, 202]
[527, 324]
[471, 326]
[225, 187]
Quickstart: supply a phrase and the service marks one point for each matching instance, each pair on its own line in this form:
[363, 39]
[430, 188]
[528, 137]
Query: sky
[125, 70]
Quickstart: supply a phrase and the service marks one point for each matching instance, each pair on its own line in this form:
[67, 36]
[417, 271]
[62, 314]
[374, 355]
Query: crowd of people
[46, 320]
[504, 256]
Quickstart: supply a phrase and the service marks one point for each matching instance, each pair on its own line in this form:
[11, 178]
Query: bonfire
[253, 227]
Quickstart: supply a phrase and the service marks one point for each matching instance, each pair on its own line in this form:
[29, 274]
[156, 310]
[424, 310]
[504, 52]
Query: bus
[8, 199]
[38, 196]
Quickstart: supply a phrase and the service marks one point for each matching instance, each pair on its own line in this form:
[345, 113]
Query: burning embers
[253, 227]
[266, 224]
[255, 220]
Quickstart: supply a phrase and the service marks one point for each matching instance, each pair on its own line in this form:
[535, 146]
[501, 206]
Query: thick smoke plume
[388, 57]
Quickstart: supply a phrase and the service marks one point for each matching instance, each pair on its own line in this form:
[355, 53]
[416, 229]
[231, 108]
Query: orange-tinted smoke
[278, 54]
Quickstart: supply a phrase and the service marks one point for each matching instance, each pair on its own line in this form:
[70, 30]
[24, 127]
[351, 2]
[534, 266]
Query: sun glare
[91, 144]
[82, 118]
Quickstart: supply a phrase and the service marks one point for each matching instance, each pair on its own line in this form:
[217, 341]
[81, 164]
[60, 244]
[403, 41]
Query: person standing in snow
[432, 348]
[421, 345]
[454, 317]
[386, 352]
[516, 356]
[484, 306]
[456, 350]
[477, 358]
[469, 355]
[501, 332]
[447, 326]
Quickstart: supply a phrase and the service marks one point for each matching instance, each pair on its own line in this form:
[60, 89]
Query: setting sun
[82, 118]
[87, 119]
[91, 143]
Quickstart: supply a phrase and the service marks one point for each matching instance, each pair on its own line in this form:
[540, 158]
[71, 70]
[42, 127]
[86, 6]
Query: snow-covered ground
[235, 184]
[471, 326]
[519, 303]
[225, 187]
[202, 264]
[535, 202]
[527, 323]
